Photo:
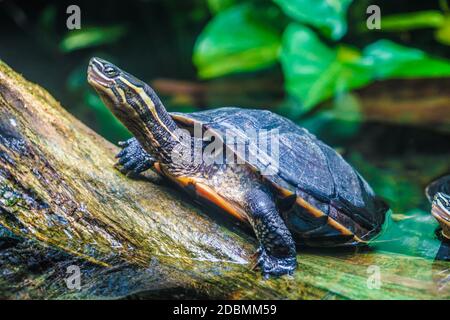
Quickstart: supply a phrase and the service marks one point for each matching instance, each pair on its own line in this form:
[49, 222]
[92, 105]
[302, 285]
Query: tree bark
[63, 204]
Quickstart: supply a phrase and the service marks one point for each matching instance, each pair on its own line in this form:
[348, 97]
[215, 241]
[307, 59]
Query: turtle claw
[132, 158]
[254, 259]
[274, 266]
[121, 153]
[122, 159]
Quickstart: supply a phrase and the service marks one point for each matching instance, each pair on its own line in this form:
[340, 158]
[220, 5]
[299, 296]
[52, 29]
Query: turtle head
[132, 101]
[441, 211]
[126, 96]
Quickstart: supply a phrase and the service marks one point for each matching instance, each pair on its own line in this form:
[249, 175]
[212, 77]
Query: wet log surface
[62, 204]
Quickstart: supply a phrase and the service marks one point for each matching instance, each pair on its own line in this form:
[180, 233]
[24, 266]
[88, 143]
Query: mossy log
[62, 203]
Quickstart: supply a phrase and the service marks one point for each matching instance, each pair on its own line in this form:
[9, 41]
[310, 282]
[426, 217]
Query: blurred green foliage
[327, 16]
[443, 32]
[91, 37]
[313, 71]
[413, 20]
[249, 44]
[246, 37]
[215, 6]
[438, 20]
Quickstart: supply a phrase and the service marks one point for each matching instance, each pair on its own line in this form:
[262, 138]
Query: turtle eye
[110, 71]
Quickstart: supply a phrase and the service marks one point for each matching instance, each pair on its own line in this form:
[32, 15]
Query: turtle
[438, 193]
[297, 191]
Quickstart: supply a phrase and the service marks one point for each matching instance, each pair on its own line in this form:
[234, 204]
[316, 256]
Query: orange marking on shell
[158, 168]
[209, 194]
[184, 181]
[284, 192]
[206, 192]
[314, 211]
[318, 213]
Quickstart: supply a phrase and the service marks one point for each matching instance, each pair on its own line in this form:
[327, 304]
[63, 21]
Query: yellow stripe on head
[148, 104]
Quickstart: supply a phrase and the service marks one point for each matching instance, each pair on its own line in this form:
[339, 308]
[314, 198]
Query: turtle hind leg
[133, 159]
[277, 252]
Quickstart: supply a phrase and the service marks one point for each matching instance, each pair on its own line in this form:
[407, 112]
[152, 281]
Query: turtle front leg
[277, 252]
[133, 158]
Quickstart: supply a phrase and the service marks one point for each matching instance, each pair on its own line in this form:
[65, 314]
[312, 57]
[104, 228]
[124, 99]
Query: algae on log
[64, 204]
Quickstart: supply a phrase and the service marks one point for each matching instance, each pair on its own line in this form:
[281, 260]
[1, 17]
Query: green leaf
[315, 72]
[412, 21]
[216, 6]
[443, 33]
[238, 39]
[91, 37]
[387, 59]
[47, 18]
[326, 15]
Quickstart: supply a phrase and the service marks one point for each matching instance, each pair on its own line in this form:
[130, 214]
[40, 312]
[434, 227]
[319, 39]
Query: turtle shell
[334, 204]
